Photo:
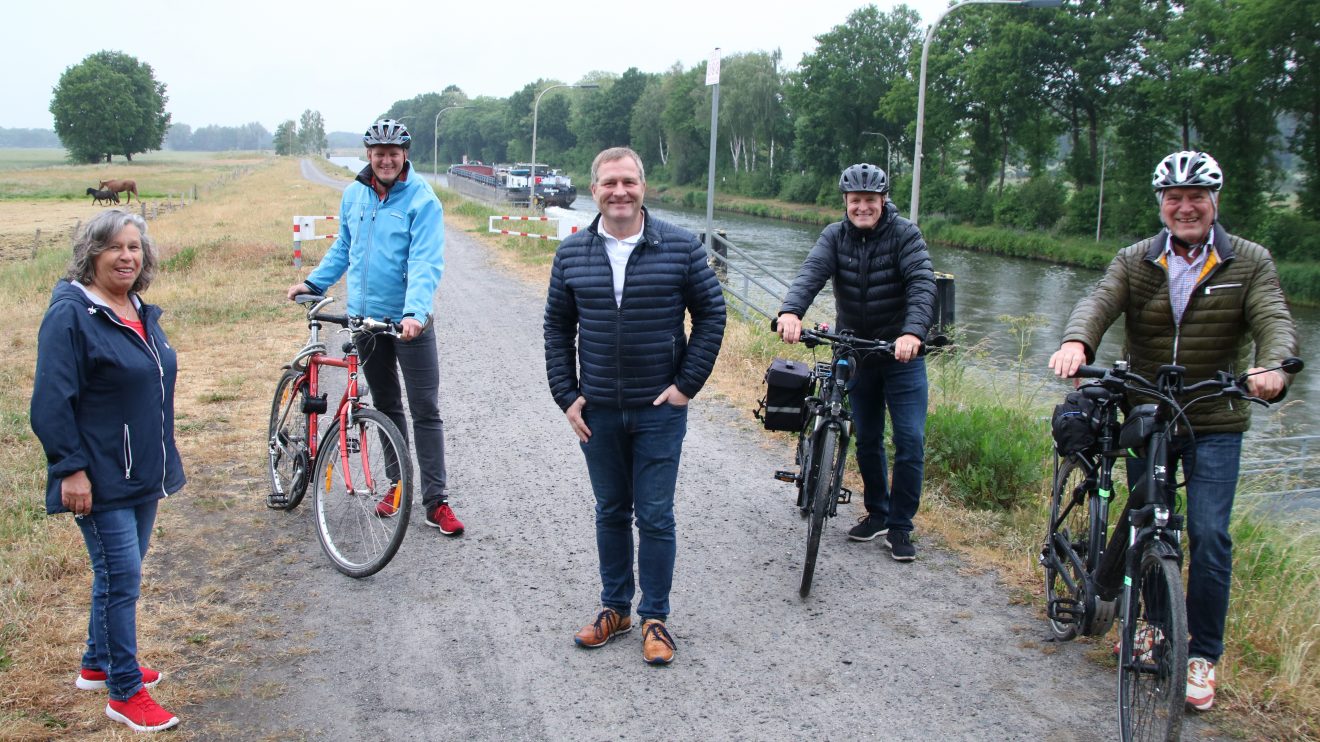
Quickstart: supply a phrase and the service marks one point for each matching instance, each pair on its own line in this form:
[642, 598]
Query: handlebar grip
[307, 298]
[774, 325]
[1090, 372]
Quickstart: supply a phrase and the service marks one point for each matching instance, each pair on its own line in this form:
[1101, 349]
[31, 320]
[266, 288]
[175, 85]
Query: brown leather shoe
[598, 633]
[657, 644]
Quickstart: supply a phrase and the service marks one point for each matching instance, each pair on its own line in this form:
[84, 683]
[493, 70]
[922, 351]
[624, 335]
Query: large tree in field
[109, 104]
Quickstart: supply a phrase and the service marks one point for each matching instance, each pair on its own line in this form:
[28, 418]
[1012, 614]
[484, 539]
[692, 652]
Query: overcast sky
[229, 62]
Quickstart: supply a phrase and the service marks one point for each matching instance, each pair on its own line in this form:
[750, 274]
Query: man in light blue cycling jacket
[391, 244]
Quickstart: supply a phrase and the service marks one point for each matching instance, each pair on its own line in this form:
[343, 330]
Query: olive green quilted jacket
[1237, 302]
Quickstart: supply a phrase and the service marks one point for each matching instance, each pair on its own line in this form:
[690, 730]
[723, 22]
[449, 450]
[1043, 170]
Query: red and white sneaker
[141, 713]
[1200, 683]
[442, 516]
[95, 679]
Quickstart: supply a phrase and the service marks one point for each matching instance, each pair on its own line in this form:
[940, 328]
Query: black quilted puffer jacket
[625, 355]
[883, 282]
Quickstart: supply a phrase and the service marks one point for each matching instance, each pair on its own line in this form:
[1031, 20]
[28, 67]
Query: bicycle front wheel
[288, 454]
[828, 465]
[1152, 668]
[1070, 550]
[362, 493]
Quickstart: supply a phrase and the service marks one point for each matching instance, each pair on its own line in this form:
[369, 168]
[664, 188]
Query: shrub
[993, 457]
[800, 188]
[1289, 236]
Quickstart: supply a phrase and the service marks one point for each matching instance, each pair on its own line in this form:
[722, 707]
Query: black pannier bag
[1074, 424]
[787, 386]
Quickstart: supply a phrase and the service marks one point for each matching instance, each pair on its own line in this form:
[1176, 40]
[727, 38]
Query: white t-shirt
[618, 251]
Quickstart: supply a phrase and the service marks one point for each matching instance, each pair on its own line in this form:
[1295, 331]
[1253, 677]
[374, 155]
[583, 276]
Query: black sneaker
[866, 529]
[900, 546]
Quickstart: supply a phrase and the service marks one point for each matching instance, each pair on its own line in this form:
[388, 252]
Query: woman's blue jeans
[1210, 492]
[632, 459]
[117, 542]
[881, 384]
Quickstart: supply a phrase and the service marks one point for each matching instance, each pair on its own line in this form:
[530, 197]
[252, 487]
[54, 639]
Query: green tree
[645, 131]
[109, 104]
[603, 118]
[837, 90]
[311, 133]
[286, 138]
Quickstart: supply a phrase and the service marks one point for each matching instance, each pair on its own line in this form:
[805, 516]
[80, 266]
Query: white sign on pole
[713, 68]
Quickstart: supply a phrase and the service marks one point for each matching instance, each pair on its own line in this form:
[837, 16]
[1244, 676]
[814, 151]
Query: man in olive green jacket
[1196, 296]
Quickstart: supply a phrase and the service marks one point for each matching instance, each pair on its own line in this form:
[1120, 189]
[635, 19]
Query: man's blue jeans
[420, 364]
[632, 459]
[883, 383]
[117, 542]
[1210, 492]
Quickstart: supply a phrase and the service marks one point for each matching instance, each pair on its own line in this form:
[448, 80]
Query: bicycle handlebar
[818, 336]
[316, 302]
[1169, 381]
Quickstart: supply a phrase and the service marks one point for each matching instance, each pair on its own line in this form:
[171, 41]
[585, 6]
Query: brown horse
[119, 186]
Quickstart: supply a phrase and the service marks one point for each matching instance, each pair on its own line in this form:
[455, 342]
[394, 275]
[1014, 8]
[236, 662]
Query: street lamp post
[921, 86]
[536, 110]
[435, 140]
[889, 150]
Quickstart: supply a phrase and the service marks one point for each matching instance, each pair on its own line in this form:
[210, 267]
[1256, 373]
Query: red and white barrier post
[304, 229]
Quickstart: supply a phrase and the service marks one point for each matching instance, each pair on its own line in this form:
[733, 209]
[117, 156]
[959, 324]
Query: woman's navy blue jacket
[103, 402]
[625, 355]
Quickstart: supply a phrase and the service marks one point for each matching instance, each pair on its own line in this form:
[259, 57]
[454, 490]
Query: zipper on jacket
[128, 452]
[366, 249]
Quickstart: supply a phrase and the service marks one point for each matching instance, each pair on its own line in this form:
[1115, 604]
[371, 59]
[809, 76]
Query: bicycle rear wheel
[1152, 670]
[828, 463]
[1071, 550]
[288, 457]
[362, 493]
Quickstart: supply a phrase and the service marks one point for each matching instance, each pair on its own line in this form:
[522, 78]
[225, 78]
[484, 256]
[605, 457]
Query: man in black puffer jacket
[622, 369]
[884, 289]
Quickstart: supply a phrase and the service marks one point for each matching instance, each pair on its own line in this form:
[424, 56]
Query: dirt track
[471, 638]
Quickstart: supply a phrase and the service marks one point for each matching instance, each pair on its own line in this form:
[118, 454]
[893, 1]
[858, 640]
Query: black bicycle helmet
[387, 131]
[1188, 170]
[864, 178]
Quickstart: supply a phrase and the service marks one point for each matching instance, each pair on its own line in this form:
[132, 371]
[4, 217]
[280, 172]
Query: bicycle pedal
[785, 476]
[845, 495]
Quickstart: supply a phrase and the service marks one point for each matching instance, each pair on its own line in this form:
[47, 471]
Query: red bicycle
[360, 469]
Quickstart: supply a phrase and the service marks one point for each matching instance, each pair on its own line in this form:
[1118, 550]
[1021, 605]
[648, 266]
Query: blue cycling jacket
[393, 250]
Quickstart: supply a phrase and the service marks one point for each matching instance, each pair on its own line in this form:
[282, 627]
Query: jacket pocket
[1221, 287]
[128, 452]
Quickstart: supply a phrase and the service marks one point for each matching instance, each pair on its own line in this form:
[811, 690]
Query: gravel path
[471, 638]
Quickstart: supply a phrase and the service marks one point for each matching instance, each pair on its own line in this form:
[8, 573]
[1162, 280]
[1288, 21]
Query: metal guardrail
[1291, 465]
[750, 272]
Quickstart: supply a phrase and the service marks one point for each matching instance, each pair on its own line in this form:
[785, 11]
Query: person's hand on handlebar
[790, 327]
[906, 347]
[296, 289]
[1068, 358]
[411, 329]
[1268, 385]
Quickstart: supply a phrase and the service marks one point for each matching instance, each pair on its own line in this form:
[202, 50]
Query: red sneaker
[442, 516]
[95, 679]
[141, 713]
[388, 507]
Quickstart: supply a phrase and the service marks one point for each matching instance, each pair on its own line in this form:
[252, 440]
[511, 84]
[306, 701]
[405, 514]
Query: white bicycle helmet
[1188, 170]
[387, 131]
[864, 178]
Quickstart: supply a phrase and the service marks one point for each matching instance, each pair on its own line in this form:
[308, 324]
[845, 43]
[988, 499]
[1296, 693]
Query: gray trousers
[420, 365]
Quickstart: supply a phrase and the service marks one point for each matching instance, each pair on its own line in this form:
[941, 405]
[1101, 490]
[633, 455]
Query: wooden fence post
[36, 240]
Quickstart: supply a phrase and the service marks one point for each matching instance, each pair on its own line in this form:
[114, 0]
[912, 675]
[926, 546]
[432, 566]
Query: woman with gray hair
[103, 408]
